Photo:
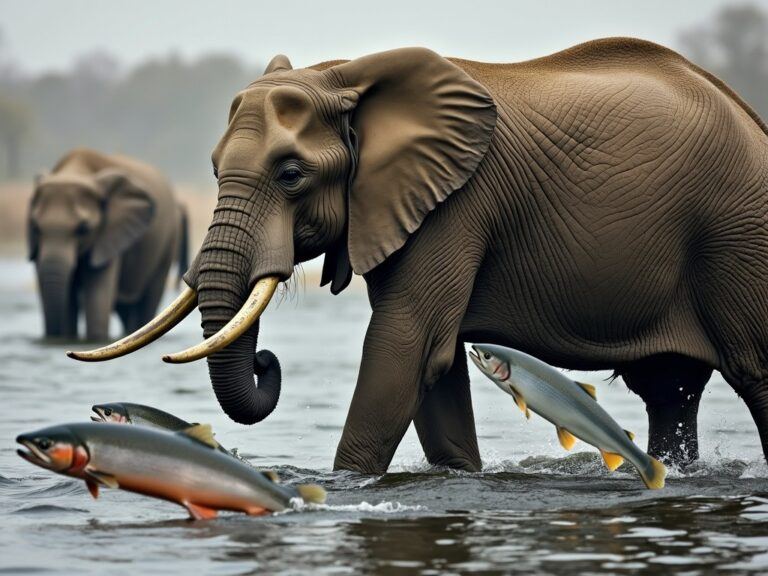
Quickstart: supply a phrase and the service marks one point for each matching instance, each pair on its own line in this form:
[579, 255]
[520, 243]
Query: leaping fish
[571, 406]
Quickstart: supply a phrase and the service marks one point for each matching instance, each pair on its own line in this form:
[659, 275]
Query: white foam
[380, 508]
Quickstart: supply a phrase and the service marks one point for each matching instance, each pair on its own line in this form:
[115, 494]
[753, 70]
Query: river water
[534, 508]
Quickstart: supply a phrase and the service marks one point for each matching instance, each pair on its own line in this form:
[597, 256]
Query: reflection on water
[534, 508]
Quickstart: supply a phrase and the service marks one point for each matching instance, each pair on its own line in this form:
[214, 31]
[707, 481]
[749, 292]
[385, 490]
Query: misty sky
[48, 34]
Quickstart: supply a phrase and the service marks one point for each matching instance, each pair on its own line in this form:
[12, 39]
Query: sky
[42, 35]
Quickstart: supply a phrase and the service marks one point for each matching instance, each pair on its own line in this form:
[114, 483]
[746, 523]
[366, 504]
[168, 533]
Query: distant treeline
[172, 112]
[168, 111]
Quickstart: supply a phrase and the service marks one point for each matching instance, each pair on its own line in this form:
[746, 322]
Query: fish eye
[107, 411]
[487, 356]
[44, 443]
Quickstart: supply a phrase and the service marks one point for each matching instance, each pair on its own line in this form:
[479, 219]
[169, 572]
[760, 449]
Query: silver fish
[142, 415]
[181, 467]
[138, 414]
[571, 406]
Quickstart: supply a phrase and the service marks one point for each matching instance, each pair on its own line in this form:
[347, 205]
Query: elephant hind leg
[445, 421]
[671, 386]
[752, 387]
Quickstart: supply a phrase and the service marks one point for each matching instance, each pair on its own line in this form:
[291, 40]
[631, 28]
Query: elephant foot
[671, 387]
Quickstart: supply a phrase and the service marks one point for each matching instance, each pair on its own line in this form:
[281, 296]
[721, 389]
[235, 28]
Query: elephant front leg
[445, 421]
[99, 289]
[395, 358]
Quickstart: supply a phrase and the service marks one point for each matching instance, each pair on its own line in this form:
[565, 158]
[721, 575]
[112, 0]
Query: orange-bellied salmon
[182, 467]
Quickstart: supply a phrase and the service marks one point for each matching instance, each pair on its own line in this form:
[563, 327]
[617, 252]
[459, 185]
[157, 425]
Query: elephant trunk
[227, 272]
[55, 282]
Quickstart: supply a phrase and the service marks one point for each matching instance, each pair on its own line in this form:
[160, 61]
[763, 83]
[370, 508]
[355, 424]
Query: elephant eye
[215, 172]
[290, 176]
[82, 229]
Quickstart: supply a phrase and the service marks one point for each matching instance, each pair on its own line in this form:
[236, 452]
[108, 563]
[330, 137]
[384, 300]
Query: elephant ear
[423, 126]
[128, 213]
[279, 63]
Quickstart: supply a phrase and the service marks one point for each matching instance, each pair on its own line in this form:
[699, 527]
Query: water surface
[534, 507]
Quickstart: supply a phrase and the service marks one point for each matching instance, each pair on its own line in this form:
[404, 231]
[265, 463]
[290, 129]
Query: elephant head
[345, 159]
[78, 221]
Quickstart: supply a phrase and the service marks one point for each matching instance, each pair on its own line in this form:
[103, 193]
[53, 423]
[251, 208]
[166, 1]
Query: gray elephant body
[103, 232]
[601, 208]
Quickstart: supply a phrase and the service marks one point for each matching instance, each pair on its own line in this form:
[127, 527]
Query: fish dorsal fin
[201, 433]
[589, 389]
[567, 440]
[272, 475]
[612, 461]
[630, 435]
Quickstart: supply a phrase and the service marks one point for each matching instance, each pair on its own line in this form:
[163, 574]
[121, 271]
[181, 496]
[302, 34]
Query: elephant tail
[183, 243]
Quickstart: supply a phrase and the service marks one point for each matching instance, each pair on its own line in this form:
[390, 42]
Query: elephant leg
[99, 288]
[147, 306]
[671, 386]
[399, 357]
[756, 399]
[445, 421]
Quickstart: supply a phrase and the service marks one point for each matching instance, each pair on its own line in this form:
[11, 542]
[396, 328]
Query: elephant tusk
[259, 298]
[167, 319]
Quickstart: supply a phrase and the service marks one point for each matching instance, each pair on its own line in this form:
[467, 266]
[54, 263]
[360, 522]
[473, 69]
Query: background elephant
[103, 232]
[601, 208]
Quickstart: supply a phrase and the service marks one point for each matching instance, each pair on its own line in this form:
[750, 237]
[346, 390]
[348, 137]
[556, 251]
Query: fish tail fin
[311, 493]
[654, 474]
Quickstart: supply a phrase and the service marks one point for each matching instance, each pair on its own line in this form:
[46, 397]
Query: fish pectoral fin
[201, 433]
[567, 440]
[589, 389]
[93, 488]
[272, 475]
[527, 413]
[101, 478]
[197, 512]
[520, 401]
[256, 511]
[630, 435]
[612, 461]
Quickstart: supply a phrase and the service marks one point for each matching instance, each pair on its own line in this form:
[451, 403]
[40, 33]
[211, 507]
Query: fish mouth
[502, 371]
[33, 454]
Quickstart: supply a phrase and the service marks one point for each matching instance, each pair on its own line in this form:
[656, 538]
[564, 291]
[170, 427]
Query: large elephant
[103, 232]
[605, 207]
